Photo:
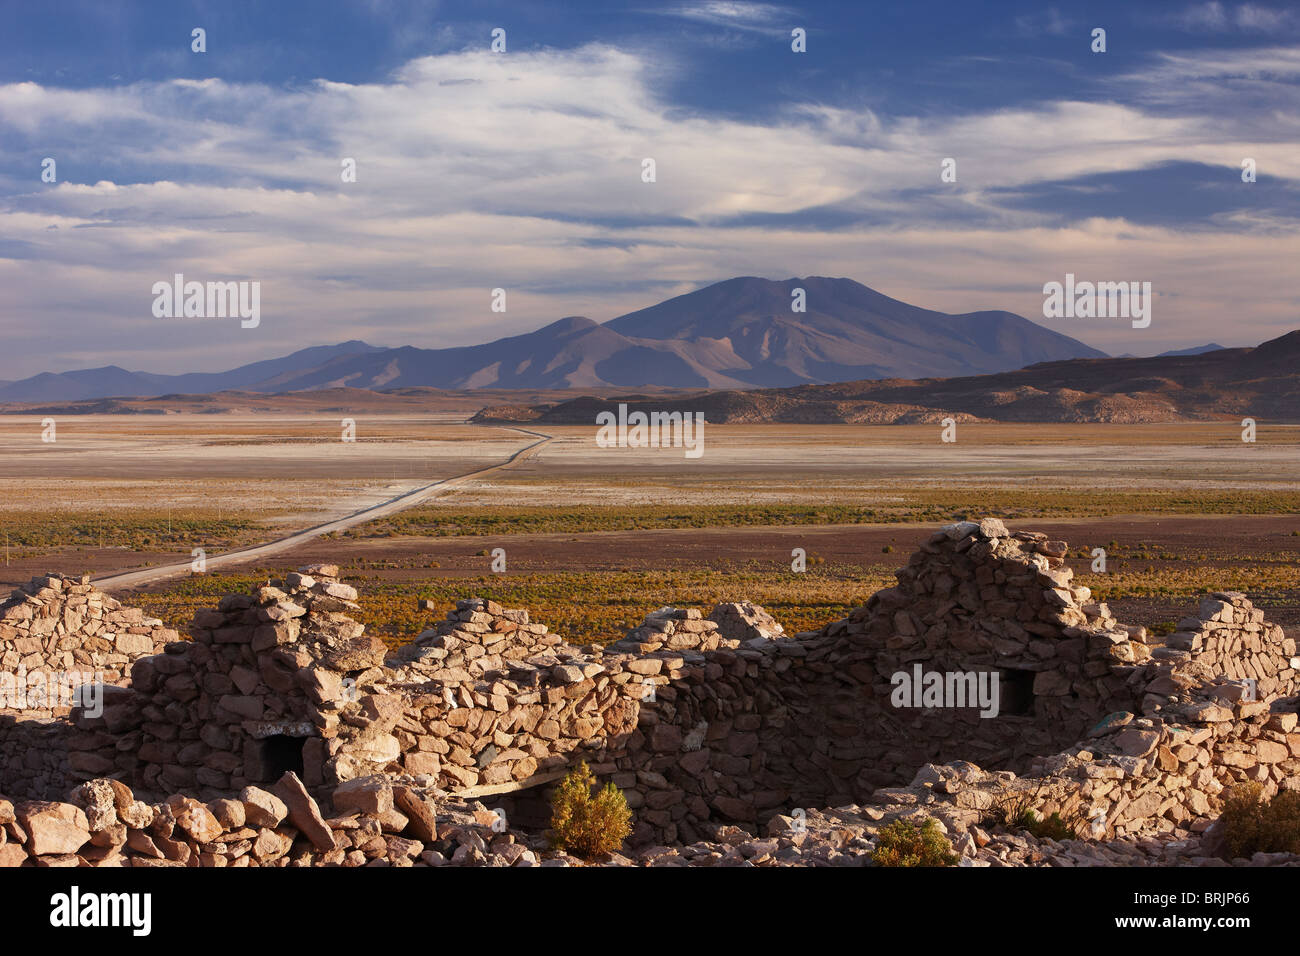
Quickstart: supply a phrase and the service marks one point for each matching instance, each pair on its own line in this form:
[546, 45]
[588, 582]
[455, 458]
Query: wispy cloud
[478, 171]
[1216, 17]
[1048, 22]
[766, 18]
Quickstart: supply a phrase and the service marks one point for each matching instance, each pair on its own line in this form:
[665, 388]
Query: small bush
[585, 825]
[903, 843]
[1023, 812]
[1052, 827]
[1252, 825]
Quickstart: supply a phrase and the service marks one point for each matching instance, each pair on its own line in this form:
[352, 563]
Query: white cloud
[1251, 16]
[1216, 17]
[768, 18]
[523, 172]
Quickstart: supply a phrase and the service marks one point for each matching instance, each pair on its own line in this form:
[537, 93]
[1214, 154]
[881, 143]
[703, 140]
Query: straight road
[133, 579]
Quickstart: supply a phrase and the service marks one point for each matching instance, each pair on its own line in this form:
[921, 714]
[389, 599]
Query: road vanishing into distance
[145, 576]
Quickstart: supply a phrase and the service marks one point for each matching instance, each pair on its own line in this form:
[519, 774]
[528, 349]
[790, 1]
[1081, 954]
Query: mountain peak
[567, 326]
[750, 331]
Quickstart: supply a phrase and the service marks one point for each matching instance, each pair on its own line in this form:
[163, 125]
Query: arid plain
[593, 537]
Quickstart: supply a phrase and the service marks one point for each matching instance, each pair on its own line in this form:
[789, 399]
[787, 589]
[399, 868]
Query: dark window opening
[1016, 690]
[280, 754]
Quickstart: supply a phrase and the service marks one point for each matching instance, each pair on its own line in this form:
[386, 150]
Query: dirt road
[135, 579]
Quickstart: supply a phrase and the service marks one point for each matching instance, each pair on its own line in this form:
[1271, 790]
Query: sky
[523, 170]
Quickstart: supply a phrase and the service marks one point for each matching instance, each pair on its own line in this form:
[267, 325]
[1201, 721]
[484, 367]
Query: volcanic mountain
[739, 334]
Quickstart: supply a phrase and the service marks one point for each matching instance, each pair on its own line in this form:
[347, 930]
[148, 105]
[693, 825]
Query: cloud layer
[524, 171]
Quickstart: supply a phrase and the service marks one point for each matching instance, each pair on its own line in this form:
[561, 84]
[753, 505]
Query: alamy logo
[946, 689]
[179, 299]
[656, 430]
[1103, 300]
[74, 909]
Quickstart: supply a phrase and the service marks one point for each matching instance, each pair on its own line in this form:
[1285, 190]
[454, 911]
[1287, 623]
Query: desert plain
[594, 538]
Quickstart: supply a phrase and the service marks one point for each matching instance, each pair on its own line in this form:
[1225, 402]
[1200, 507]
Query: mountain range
[1223, 384]
[741, 333]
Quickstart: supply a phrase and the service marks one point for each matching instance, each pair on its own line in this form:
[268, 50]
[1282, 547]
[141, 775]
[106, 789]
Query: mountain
[1194, 350]
[738, 334]
[112, 381]
[1225, 384]
[848, 332]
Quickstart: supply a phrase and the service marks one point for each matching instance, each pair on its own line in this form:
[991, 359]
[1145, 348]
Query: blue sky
[521, 169]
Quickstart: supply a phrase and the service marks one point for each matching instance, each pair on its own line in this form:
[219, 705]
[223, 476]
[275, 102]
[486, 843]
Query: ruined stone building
[702, 720]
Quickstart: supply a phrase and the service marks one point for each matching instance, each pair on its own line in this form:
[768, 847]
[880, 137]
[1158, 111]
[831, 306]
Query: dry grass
[893, 506]
[584, 607]
[133, 529]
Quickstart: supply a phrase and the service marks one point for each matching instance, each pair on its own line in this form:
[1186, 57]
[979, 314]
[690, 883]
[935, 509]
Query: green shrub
[903, 843]
[1052, 827]
[585, 825]
[1253, 825]
[1023, 811]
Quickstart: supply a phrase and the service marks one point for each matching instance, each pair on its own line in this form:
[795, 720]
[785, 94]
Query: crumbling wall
[1133, 774]
[57, 623]
[1229, 636]
[56, 634]
[745, 733]
[261, 689]
[1196, 733]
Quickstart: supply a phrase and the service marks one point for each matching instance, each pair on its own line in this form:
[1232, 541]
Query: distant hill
[1261, 382]
[1194, 350]
[736, 334]
[112, 381]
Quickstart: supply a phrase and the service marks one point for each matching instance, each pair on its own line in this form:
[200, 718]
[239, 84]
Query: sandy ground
[287, 471]
[294, 472]
[790, 463]
[286, 544]
[201, 447]
[838, 544]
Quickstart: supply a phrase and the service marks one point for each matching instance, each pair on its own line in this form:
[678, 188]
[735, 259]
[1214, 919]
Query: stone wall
[60, 623]
[56, 634]
[1133, 774]
[262, 688]
[1229, 637]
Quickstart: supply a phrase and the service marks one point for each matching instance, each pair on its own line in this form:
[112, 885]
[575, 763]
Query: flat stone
[421, 812]
[53, 827]
[262, 809]
[371, 795]
[303, 811]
